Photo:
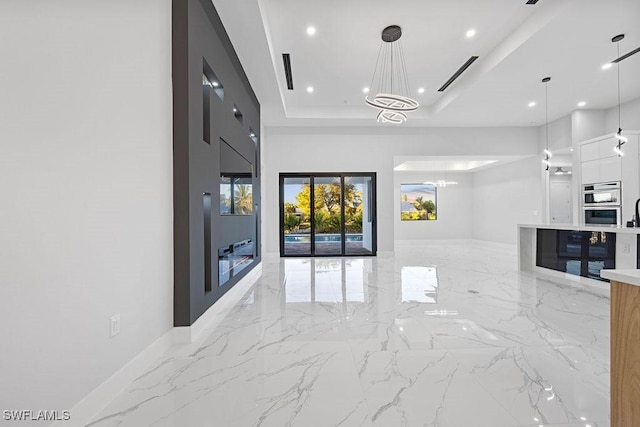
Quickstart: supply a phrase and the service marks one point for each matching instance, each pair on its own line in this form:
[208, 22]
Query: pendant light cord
[546, 110]
[618, 67]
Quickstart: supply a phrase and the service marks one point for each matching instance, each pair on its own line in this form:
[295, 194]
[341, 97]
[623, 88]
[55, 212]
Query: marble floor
[445, 334]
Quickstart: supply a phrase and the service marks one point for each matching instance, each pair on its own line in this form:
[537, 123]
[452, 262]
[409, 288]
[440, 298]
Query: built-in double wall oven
[602, 203]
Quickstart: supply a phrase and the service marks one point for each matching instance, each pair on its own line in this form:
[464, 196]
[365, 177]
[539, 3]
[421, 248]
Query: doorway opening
[327, 214]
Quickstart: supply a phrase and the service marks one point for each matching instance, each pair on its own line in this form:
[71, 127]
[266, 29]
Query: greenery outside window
[236, 197]
[418, 202]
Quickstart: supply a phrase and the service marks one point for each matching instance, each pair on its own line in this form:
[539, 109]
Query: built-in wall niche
[232, 259]
[210, 79]
[206, 216]
[209, 82]
[237, 114]
[253, 136]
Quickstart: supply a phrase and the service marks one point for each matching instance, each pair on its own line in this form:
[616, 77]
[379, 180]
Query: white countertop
[575, 227]
[631, 277]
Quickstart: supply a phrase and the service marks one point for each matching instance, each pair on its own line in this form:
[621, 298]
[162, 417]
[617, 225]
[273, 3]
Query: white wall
[559, 134]
[290, 149]
[630, 116]
[505, 196]
[86, 193]
[587, 124]
[454, 208]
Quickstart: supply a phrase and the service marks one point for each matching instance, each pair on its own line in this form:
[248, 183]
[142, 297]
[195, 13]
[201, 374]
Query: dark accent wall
[198, 36]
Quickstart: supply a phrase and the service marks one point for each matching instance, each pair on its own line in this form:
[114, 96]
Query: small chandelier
[390, 82]
[560, 171]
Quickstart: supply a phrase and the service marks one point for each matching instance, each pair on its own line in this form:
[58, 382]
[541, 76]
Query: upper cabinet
[599, 163]
[590, 151]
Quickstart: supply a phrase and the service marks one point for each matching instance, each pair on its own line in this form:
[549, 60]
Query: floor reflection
[443, 334]
[329, 280]
[419, 284]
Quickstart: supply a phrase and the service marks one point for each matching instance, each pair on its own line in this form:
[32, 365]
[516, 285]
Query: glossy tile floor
[445, 334]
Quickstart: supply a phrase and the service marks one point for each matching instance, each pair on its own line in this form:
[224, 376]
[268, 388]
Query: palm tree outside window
[236, 195]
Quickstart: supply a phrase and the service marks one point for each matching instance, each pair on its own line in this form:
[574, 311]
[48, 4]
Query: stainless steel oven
[602, 203]
[602, 194]
[604, 215]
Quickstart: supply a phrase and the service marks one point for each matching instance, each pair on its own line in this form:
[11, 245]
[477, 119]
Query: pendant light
[390, 82]
[621, 139]
[546, 151]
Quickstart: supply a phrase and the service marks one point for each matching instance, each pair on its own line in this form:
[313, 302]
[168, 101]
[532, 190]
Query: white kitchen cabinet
[591, 172]
[610, 169]
[606, 148]
[590, 151]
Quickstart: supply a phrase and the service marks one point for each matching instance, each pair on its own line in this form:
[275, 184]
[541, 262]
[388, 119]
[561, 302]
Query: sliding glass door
[327, 214]
[359, 215]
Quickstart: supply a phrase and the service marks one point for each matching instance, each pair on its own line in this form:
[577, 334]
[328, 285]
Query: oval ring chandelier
[392, 84]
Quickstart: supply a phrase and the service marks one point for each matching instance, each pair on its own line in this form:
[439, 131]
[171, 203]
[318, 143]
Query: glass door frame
[342, 175]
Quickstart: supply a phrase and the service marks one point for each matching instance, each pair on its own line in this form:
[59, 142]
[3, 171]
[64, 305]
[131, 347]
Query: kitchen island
[571, 251]
[625, 346]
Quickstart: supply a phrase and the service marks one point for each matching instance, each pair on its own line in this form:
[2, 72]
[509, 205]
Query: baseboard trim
[212, 317]
[90, 406]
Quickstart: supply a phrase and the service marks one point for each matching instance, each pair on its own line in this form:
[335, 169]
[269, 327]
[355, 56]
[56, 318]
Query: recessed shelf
[237, 114]
[253, 136]
[211, 80]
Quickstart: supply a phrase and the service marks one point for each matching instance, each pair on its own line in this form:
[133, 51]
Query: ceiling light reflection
[441, 312]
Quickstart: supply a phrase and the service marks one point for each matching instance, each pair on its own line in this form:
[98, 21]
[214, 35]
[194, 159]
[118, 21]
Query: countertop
[631, 277]
[575, 227]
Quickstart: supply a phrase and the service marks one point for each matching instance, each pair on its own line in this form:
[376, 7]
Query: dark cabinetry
[583, 253]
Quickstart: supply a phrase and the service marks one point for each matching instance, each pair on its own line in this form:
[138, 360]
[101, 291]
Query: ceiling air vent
[625, 56]
[532, 1]
[457, 73]
[286, 59]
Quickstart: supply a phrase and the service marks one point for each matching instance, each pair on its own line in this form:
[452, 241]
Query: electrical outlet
[535, 213]
[626, 248]
[115, 326]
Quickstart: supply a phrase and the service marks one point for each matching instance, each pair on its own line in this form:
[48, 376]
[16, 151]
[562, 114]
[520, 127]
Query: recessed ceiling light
[309, 89]
[421, 90]
[607, 66]
[532, 104]
[582, 104]
[365, 90]
[471, 33]
[311, 30]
